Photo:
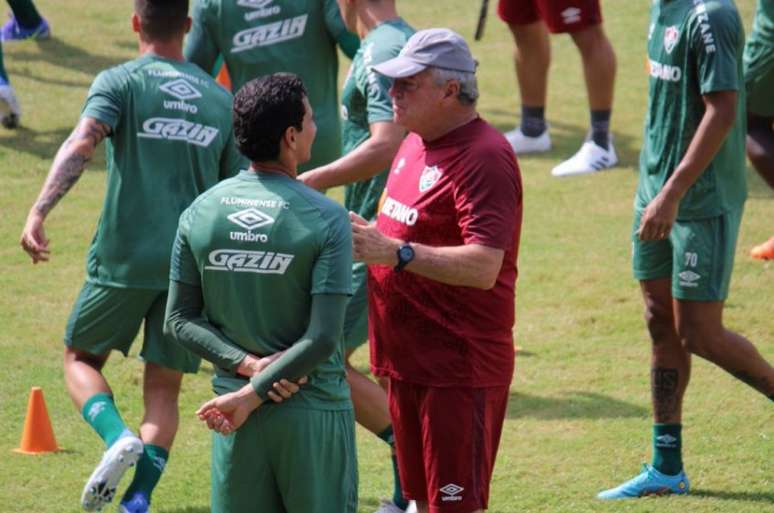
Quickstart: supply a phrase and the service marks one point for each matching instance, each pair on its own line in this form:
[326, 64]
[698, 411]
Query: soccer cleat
[12, 31]
[412, 507]
[763, 251]
[590, 158]
[387, 506]
[101, 486]
[649, 482]
[523, 144]
[10, 112]
[138, 503]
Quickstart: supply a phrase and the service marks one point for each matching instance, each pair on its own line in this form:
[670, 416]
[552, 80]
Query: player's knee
[75, 357]
[696, 337]
[660, 323]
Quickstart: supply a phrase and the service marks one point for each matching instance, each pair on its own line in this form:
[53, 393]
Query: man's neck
[449, 122]
[172, 49]
[276, 167]
[371, 15]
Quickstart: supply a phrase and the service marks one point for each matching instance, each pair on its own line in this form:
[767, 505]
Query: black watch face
[406, 253]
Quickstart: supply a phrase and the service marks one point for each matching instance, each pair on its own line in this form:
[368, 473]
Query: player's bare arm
[69, 164]
[719, 117]
[365, 161]
[469, 265]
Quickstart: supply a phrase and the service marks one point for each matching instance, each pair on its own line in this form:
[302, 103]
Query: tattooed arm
[69, 163]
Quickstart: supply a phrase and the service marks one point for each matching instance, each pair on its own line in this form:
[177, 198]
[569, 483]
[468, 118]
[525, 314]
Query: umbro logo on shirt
[261, 8]
[181, 89]
[269, 34]
[451, 492]
[250, 218]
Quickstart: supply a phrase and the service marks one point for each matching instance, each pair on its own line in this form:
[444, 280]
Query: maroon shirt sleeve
[487, 196]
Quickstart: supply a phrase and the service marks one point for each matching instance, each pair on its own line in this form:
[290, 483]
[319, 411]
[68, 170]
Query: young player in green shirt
[370, 141]
[259, 37]
[688, 208]
[169, 138]
[260, 278]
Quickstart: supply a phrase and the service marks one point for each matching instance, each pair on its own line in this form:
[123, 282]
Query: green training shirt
[694, 48]
[171, 140]
[260, 37]
[259, 246]
[365, 99]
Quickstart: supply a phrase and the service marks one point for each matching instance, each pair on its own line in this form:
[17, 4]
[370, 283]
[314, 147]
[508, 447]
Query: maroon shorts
[558, 15]
[446, 440]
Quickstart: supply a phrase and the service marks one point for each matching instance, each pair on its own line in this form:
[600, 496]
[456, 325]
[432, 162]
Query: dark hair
[162, 19]
[264, 108]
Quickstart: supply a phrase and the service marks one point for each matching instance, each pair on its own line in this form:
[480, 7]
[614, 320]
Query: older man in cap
[442, 272]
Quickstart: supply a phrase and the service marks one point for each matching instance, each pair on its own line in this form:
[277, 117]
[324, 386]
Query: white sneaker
[10, 112]
[412, 507]
[590, 158]
[387, 506]
[102, 484]
[523, 144]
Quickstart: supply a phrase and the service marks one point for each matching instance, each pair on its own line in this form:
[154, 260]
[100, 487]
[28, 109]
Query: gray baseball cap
[437, 47]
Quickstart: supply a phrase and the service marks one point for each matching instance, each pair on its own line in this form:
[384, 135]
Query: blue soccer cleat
[649, 482]
[12, 31]
[137, 503]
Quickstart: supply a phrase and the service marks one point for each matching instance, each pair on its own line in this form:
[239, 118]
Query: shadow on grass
[57, 52]
[187, 509]
[765, 497]
[567, 138]
[42, 144]
[575, 405]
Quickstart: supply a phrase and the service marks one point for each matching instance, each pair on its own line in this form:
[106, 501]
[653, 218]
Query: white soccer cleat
[412, 507]
[523, 144]
[10, 112]
[102, 484]
[590, 158]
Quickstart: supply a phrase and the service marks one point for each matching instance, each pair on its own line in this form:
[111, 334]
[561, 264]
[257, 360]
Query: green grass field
[579, 415]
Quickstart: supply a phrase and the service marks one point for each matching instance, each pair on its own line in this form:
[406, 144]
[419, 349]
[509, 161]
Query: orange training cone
[38, 436]
[224, 78]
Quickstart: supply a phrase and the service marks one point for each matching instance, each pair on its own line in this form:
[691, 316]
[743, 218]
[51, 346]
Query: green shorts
[355, 332]
[698, 256]
[286, 460]
[105, 318]
[759, 77]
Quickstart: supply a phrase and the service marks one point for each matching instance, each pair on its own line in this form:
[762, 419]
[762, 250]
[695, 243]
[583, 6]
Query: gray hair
[468, 85]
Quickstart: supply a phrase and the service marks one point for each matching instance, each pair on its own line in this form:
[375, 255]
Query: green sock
[149, 470]
[25, 13]
[397, 493]
[100, 412]
[667, 447]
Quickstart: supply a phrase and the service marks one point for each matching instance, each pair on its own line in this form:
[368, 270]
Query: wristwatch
[405, 256]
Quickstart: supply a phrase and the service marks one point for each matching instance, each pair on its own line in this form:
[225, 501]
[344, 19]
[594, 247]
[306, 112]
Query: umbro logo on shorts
[269, 34]
[451, 492]
[571, 15]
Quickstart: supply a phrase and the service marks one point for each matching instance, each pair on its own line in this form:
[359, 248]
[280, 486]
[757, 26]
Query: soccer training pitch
[579, 416]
